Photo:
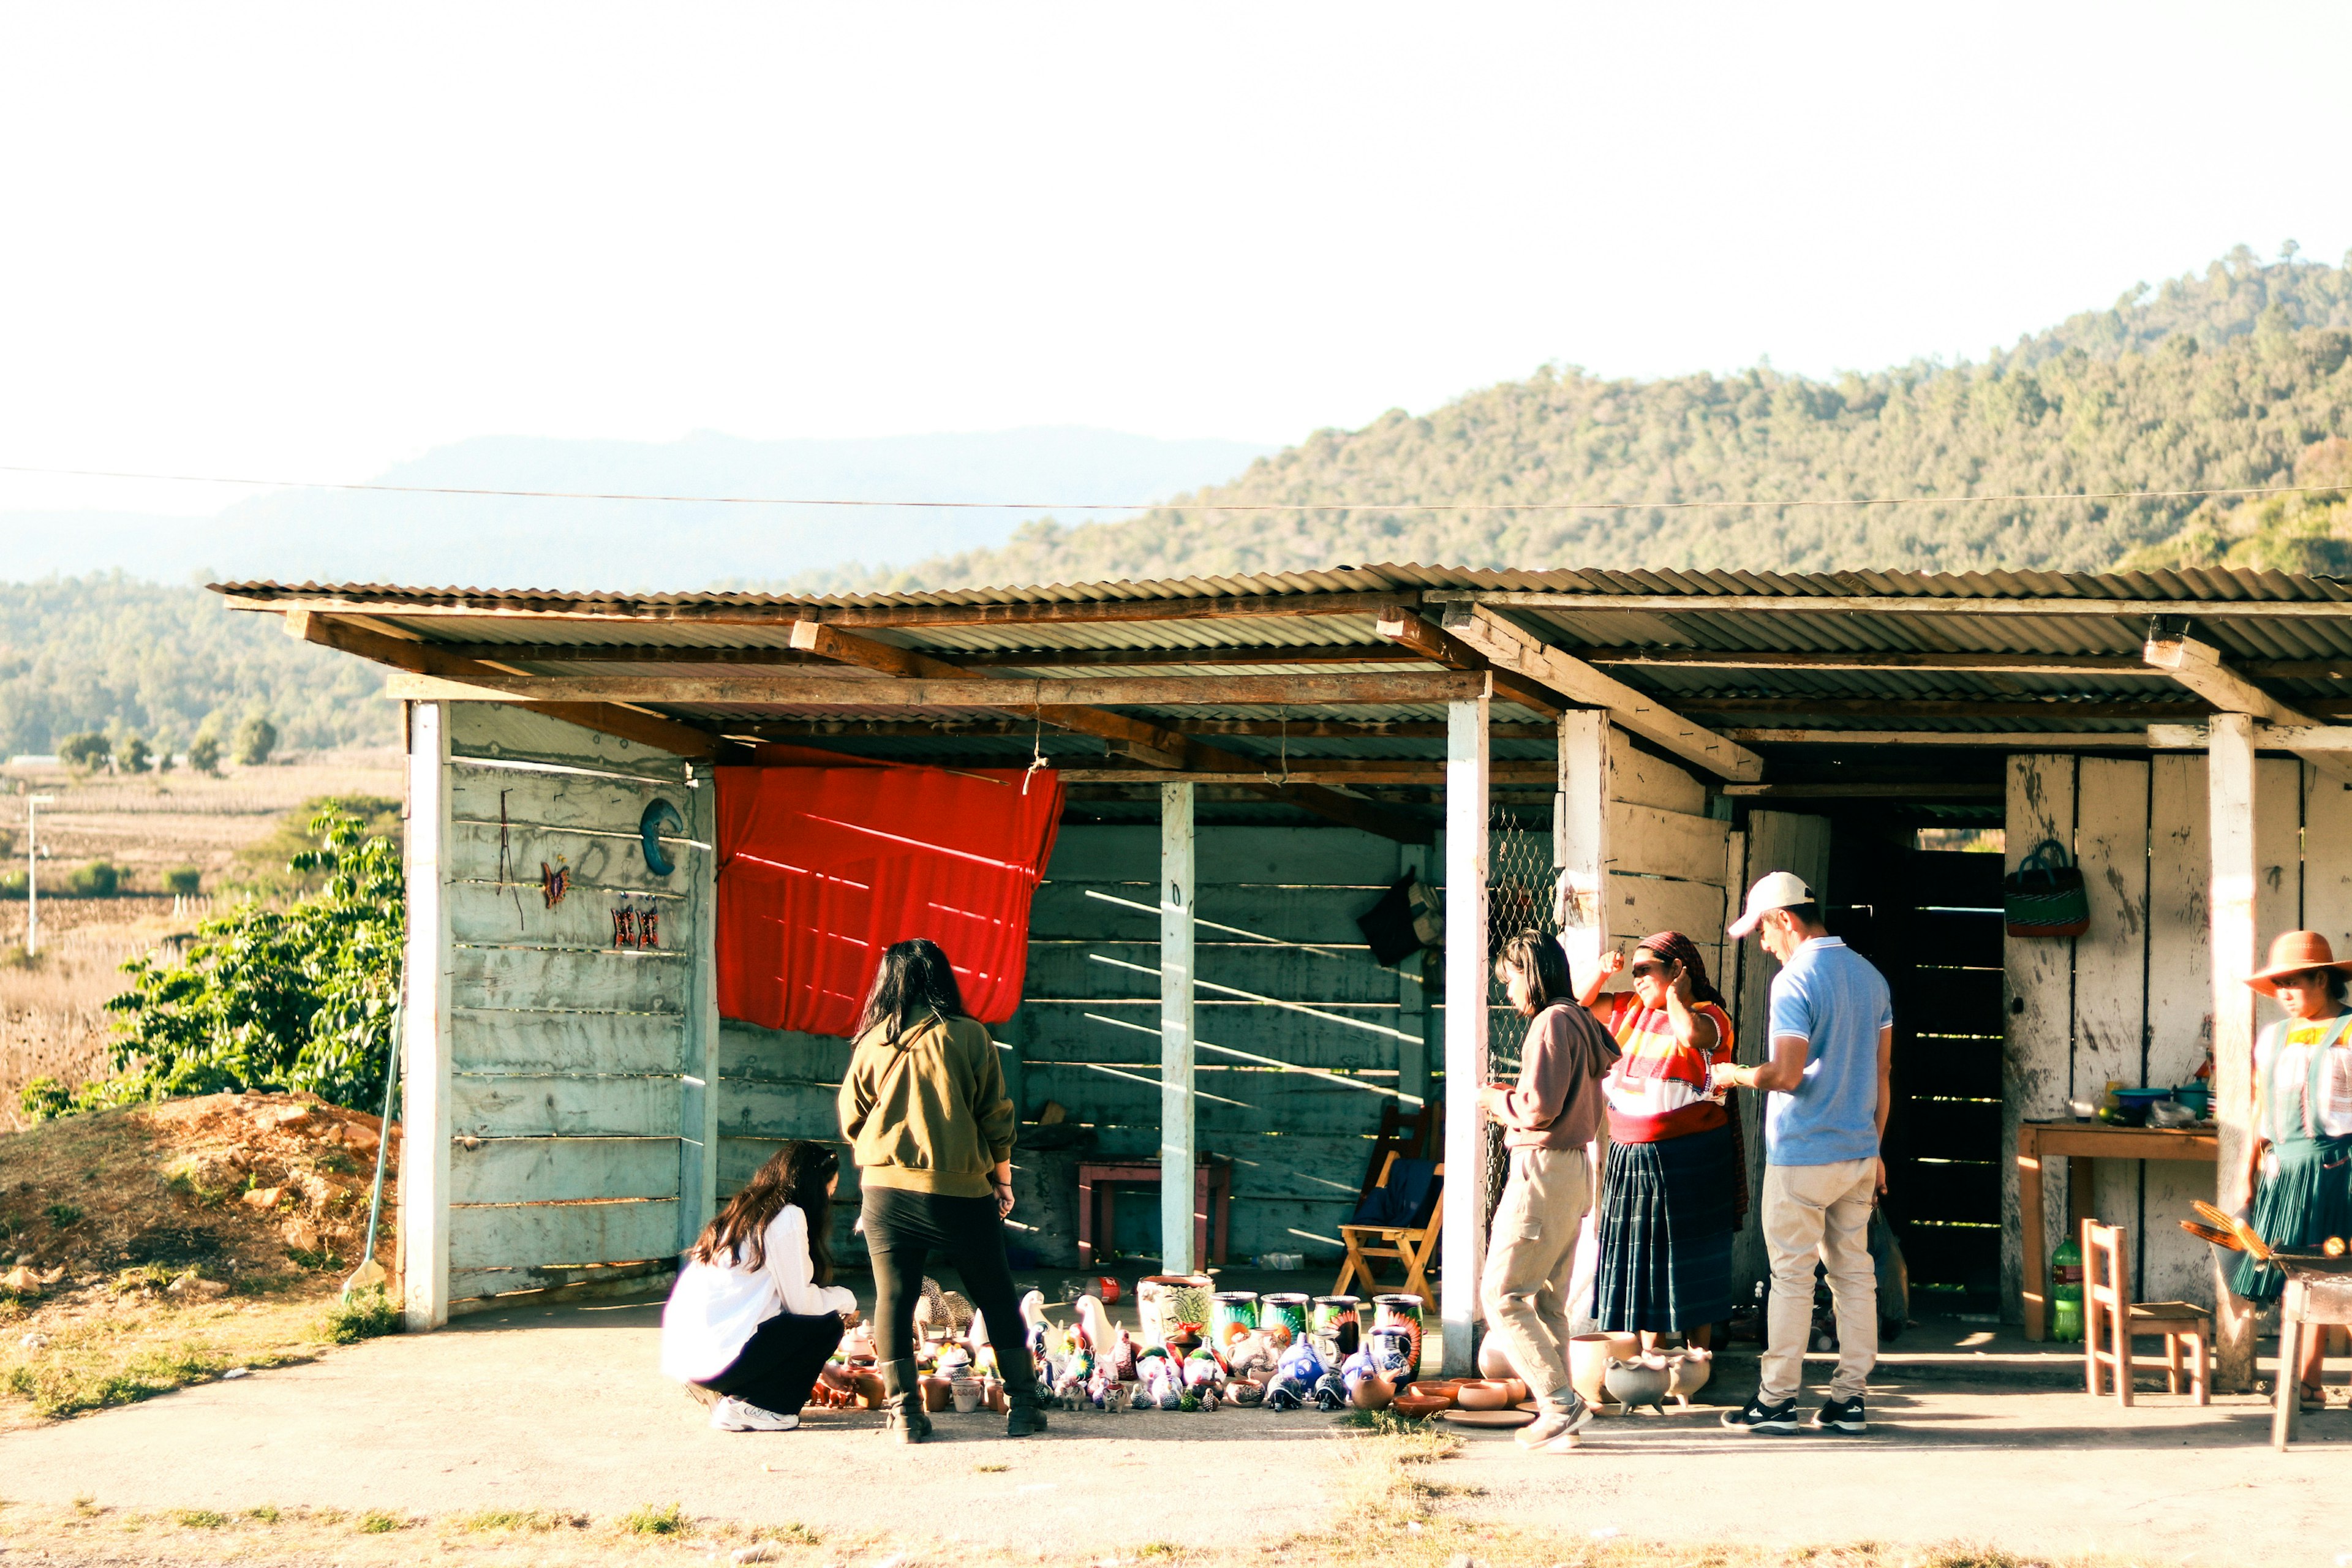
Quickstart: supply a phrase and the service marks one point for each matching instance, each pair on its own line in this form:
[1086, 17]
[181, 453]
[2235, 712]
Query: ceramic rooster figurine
[1037, 1338]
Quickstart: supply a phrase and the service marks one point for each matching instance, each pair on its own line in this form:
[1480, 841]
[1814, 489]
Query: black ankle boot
[1025, 1411]
[902, 1389]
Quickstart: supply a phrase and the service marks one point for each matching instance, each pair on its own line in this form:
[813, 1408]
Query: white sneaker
[731, 1414]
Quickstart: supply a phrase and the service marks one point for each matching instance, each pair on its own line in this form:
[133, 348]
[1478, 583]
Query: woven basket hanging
[2045, 896]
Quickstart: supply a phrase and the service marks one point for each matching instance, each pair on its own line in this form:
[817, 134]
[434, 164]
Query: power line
[1193, 506]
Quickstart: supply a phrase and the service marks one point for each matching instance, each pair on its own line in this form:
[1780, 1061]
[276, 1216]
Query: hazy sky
[307, 241]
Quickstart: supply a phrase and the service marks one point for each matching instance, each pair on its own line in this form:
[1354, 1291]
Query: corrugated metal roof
[1713, 611]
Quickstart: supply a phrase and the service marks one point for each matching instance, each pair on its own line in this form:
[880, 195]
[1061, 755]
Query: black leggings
[903, 1229]
[778, 1364]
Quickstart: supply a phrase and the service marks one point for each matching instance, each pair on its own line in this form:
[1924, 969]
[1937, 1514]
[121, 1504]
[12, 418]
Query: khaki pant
[1531, 1256]
[1819, 1211]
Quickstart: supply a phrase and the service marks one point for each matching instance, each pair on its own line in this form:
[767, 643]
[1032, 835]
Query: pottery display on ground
[1400, 1311]
[1337, 1324]
[1691, 1367]
[1164, 1300]
[1231, 1313]
[1589, 1356]
[1484, 1394]
[1373, 1392]
[1442, 1388]
[1419, 1406]
[1286, 1309]
[1643, 1380]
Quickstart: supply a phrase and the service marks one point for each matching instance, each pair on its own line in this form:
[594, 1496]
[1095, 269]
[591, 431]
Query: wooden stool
[2311, 1305]
[2110, 1315]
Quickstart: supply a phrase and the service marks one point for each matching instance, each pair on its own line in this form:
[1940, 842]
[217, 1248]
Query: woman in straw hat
[2300, 1169]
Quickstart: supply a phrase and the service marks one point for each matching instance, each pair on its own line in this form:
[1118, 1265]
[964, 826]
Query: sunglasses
[1645, 970]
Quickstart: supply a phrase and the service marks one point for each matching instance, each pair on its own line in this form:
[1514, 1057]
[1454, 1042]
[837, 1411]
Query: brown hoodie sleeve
[992, 1105]
[1557, 1104]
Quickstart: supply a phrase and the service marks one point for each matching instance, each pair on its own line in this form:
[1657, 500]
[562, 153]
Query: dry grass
[159, 1245]
[90, 1531]
[53, 1019]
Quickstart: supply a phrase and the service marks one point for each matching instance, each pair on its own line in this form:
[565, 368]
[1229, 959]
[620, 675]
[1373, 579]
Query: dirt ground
[559, 1413]
[147, 1248]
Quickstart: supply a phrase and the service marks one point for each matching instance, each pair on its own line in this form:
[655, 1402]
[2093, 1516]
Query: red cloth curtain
[819, 868]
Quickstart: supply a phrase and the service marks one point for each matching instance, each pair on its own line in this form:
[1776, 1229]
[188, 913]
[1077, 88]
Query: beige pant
[1530, 1257]
[1819, 1211]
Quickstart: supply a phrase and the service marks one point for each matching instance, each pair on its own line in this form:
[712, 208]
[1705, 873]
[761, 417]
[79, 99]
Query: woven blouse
[1658, 1088]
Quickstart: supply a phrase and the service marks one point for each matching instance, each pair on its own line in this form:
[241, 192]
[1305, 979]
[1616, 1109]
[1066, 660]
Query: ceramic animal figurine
[1295, 1376]
[1095, 1331]
[1123, 1357]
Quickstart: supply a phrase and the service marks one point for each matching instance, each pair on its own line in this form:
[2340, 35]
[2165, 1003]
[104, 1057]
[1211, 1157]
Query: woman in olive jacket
[926, 1114]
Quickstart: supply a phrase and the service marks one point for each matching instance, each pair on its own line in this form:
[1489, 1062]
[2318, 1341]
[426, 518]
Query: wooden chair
[1412, 1246]
[1412, 1134]
[2111, 1319]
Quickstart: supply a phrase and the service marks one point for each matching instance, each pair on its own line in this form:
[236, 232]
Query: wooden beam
[1146, 741]
[1265, 729]
[1883, 604]
[619, 653]
[2199, 666]
[751, 611]
[1869, 658]
[423, 660]
[1583, 686]
[1183, 657]
[1438, 645]
[2006, 740]
[1178, 1147]
[1992, 790]
[1462, 1244]
[2061, 709]
[819, 689]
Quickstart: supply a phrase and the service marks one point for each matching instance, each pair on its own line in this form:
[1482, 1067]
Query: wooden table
[1213, 1196]
[2079, 1143]
[2313, 1304]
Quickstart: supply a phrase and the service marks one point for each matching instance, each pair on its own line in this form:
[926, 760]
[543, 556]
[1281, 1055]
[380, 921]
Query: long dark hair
[1676, 948]
[800, 1173]
[914, 981]
[1538, 958]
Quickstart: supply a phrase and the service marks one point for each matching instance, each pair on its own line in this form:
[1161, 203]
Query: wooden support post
[1178, 1155]
[424, 1052]
[2229, 783]
[1413, 998]
[698, 1148]
[1579, 840]
[1463, 1249]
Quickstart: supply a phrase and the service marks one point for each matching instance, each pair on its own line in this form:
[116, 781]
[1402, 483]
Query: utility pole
[33, 805]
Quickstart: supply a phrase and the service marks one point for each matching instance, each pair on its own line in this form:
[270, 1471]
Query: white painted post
[1580, 841]
[425, 1053]
[1177, 1148]
[1462, 1248]
[2229, 784]
[699, 1082]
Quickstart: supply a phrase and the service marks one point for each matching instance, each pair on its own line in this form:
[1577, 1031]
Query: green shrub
[256, 739]
[200, 1518]
[375, 1521]
[204, 753]
[98, 879]
[184, 880]
[84, 752]
[293, 999]
[64, 1214]
[132, 755]
[361, 1315]
[646, 1519]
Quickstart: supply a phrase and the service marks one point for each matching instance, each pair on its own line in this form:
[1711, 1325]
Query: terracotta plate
[1486, 1418]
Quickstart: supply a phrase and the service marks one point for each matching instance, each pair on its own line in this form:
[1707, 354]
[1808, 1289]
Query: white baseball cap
[1774, 891]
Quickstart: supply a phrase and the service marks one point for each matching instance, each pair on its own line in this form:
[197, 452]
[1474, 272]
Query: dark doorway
[1930, 920]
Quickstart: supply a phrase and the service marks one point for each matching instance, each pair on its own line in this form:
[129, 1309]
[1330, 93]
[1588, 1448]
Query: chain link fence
[1519, 881]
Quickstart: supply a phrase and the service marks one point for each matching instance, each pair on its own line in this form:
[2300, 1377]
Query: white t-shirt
[715, 1308]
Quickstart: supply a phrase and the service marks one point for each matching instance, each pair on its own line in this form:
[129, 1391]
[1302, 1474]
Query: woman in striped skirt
[1676, 1186]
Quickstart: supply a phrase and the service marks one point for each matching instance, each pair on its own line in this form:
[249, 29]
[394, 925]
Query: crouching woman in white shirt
[755, 1313]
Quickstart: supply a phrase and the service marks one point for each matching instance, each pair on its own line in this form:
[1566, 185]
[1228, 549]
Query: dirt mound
[224, 1222]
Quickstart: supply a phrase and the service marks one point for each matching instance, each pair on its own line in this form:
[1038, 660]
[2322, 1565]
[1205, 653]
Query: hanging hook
[1036, 748]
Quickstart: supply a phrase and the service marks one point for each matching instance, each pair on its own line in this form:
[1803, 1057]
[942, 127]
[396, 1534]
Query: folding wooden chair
[1412, 1246]
[2110, 1319]
[1412, 1134]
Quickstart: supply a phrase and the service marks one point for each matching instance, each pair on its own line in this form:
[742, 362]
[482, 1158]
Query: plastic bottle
[2066, 1291]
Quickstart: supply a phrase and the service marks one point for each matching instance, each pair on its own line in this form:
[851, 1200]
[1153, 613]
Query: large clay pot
[1588, 1363]
[939, 1394]
[1642, 1380]
[1287, 1308]
[1494, 1361]
[1691, 1369]
[1403, 1311]
[1164, 1300]
[869, 1389]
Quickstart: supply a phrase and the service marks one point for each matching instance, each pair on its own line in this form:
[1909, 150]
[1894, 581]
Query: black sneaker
[1841, 1415]
[1758, 1417]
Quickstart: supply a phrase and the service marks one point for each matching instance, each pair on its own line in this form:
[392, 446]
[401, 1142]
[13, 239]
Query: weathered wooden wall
[2129, 1001]
[574, 1065]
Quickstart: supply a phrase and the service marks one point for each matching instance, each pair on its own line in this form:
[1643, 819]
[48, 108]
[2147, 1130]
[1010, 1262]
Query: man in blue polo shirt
[1833, 1032]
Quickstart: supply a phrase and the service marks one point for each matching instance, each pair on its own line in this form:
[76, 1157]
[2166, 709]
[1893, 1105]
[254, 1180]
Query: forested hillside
[113, 654]
[2223, 379]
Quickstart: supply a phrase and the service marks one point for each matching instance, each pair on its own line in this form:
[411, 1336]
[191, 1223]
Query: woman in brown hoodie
[928, 1120]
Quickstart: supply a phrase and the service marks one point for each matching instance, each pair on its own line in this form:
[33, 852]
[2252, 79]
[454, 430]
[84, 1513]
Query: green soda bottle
[2066, 1291]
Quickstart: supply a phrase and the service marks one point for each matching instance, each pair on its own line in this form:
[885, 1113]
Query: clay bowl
[1484, 1395]
[1691, 1368]
[1419, 1406]
[1443, 1388]
[1519, 1391]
